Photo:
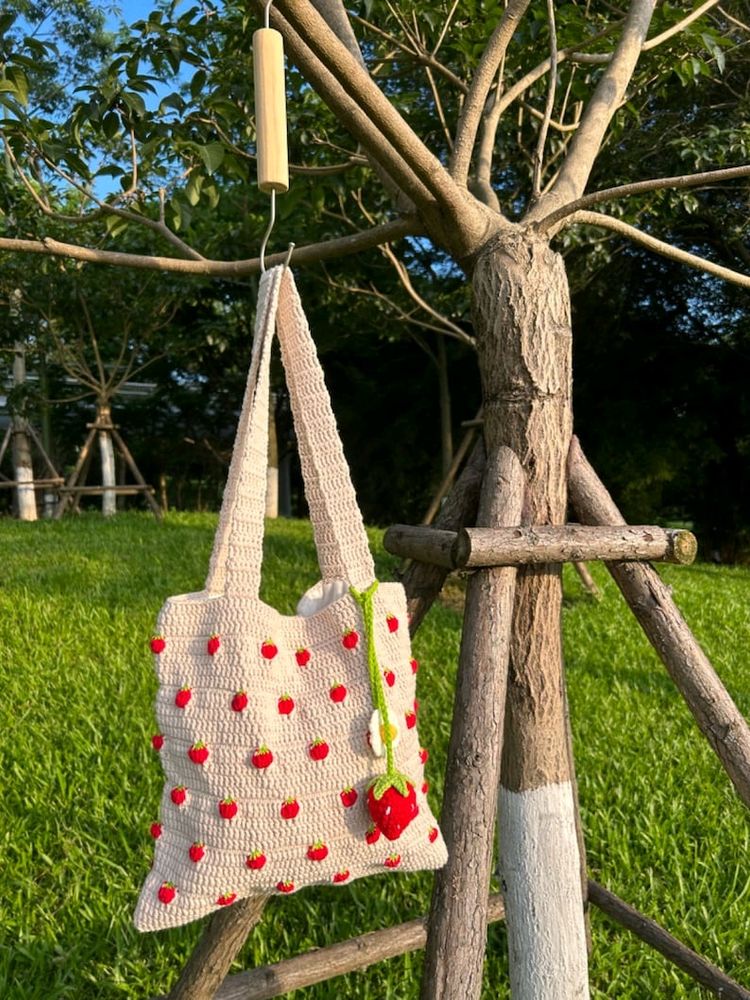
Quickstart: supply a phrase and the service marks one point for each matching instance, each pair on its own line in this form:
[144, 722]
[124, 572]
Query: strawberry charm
[155, 830]
[350, 638]
[269, 649]
[349, 797]
[392, 803]
[198, 753]
[178, 795]
[213, 644]
[196, 851]
[183, 696]
[341, 876]
[337, 693]
[239, 702]
[255, 860]
[226, 899]
[157, 741]
[166, 893]
[262, 758]
[227, 808]
[289, 808]
[157, 644]
[317, 851]
[318, 750]
[286, 704]
[392, 622]
[302, 656]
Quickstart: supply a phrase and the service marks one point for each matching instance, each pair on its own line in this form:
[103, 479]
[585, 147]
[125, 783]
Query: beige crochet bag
[289, 744]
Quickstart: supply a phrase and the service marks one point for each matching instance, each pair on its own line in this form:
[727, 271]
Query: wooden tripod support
[53, 478]
[75, 488]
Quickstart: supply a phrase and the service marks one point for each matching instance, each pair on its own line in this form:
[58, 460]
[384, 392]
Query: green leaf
[212, 155]
[16, 76]
[111, 124]
[197, 84]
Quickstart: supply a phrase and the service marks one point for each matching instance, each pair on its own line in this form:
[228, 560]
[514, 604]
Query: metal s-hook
[269, 227]
[267, 14]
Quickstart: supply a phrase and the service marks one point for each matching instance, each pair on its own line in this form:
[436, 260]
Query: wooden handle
[270, 111]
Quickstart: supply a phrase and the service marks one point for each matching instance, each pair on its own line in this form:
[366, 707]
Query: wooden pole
[72, 480]
[148, 492]
[587, 580]
[460, 454]
[457, 936]
[717, 716]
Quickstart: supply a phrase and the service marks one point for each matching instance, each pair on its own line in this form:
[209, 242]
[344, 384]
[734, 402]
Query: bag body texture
[289, 743]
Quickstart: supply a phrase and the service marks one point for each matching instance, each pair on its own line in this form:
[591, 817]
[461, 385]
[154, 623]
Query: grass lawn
[80, 784]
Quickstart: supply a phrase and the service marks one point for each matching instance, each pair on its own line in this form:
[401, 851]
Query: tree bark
[522, 323]
[23, 468]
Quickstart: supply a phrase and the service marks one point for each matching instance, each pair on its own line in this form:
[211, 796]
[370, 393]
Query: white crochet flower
[376, 734]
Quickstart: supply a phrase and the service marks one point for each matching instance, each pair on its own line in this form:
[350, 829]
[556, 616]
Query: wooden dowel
[335, 960]
[425, 544]
[123, 491]
[587, 579]
[571, 543]
[130, 462]
[81, 462]
[650, 599]
[684, 958]
[461, 452]
[36, 483]
[270, 111]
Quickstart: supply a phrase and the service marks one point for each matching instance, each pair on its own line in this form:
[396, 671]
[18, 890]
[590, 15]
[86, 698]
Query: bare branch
[733, 20]
[418, 53]
[439, 108]
[658, 246]
[471, 114]
[327, 250]
[536, 187]
[657, 40]
[446, 25]
[550, 221]
[602, 105]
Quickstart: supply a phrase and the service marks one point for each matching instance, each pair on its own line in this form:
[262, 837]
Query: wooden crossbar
[36, 483]
[122, 491]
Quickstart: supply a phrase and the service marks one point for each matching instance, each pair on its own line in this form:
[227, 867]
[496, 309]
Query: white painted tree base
[26, 498]
[541, 882]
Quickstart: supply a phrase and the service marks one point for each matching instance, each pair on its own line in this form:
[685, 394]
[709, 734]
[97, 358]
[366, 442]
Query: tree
[507, 140]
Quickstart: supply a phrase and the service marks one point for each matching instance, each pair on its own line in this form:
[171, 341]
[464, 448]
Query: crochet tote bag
[289, 744]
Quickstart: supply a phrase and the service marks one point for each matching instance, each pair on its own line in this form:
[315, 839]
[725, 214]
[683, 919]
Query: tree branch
[549, 222]
[658, 246]
[328, 250]
[536, 187]
[471, 114]
[418, 54]
[605, 100]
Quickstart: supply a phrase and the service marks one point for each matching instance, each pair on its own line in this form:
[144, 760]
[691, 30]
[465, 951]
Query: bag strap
[340, 537]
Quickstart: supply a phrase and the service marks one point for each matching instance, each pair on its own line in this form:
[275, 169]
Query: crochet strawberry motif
[337, 693]
[239, 702]
[182, 697]
[157, 741]
[289, 808]
[285, 886]
[157, 644]
[318, 750]
[341, 876]
[317, 851]
[155, 830]
[424, 754]
[392, 803]
[227, 808]
[432, 836]
[256, 860]
[226, 899]
[302, 656]
[425, 787]
[349, 797]
[392, 621]
[411, 720]
[262, 758]
[373, 834]
[390, 678]
[196, 851]
[414, 666]
[198, 753]
[269, 649]
[166, 893]
[213, 644]
[286, 704]
[392, 861]
[178, 795]
[350, 638]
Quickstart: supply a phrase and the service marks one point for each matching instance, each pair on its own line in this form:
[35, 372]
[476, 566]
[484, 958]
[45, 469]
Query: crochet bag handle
[340, 537]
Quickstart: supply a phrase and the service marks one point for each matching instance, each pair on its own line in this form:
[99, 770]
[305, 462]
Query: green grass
[80, 785]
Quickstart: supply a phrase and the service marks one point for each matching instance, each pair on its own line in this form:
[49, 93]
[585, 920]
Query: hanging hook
[271, 223]
[267, 14]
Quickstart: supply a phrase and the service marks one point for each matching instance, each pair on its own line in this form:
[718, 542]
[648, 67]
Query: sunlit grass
[80, 785]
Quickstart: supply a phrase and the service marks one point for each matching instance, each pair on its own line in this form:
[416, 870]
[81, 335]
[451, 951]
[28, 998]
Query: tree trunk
[522, 321]
[22, 462]
[446, 422]
[107, 453]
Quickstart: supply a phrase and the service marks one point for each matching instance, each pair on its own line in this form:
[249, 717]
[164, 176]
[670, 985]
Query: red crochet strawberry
[269, 649]
[183, 696]
[341, 876]
[256, 860]
[226, 899]
[178, 794]
[262, 758]
[411, 720]
[425, 787]
[285, 886]
[432, 836]
[424, 754]
[157, 643]
[155, 830]
[338, 692]
[239, 702]
[392, 623]
[286, 704]
[373, 834]
[196, 851]
[212, 646]
[167, 892]
[317, 851]
[289, 808]
[318, 750]
[390, 678]
[302, 656]
[350, 638]
[198, 753]
[157, 741]
[414, 666]
[392, 861]
[227, 808]
[349, 796]
[392, 802]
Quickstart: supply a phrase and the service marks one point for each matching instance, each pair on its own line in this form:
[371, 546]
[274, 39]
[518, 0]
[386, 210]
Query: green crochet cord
[392, 776]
